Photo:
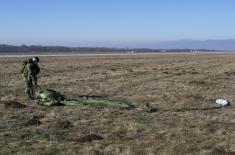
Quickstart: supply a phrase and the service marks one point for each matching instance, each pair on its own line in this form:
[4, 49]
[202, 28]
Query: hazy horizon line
[72, 43]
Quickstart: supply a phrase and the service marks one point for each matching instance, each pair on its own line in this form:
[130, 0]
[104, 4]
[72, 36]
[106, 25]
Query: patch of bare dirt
[64, 124]
[89, 138]
[35, 120]
[222, 152]
[13, 104]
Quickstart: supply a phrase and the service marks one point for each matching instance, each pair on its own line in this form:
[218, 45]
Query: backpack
[24, 65]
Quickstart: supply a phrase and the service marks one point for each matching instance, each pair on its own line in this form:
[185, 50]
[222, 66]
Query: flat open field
[182, 86]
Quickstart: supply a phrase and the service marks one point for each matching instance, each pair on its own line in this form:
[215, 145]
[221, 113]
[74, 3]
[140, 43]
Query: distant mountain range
[228, 44]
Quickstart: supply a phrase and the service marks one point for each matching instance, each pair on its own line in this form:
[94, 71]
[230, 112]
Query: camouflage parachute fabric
[51, 98]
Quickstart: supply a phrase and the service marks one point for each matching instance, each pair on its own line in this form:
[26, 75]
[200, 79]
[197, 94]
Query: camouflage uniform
[30, 70]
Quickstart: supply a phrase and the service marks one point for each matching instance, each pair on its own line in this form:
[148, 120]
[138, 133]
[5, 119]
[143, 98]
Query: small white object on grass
[222, 102]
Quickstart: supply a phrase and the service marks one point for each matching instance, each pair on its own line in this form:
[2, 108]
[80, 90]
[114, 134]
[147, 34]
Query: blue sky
[106, 22]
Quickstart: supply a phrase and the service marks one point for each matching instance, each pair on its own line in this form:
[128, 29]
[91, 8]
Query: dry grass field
[182, 86]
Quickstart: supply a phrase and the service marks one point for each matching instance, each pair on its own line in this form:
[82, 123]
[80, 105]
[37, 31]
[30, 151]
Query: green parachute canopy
[49, 94]
[50, 97]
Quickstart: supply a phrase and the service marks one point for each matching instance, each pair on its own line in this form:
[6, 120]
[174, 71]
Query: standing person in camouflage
[30, 71]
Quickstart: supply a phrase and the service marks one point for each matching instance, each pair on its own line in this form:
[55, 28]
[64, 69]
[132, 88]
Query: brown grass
[182, 86]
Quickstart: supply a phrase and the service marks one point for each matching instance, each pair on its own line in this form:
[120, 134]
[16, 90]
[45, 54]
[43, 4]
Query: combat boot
[29, 95]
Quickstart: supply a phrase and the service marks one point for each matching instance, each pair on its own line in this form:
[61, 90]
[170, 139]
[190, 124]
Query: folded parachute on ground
[50, 98]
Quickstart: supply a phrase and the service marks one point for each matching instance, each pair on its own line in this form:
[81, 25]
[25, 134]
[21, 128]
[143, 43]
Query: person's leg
[27, 87]
[36, 81]
[31, 90]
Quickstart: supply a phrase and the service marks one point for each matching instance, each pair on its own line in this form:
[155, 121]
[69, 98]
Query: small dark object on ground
[13, 104]
[153, 110]
[33, 121]
[89, 138]
[150, 108]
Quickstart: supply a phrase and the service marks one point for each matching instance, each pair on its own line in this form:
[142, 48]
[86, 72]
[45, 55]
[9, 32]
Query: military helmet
[35, 59]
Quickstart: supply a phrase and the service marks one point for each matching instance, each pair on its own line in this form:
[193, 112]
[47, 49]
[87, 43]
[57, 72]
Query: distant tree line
[62, 49]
